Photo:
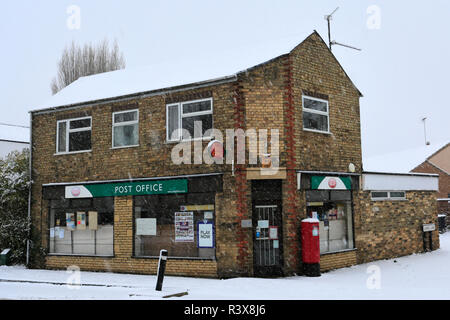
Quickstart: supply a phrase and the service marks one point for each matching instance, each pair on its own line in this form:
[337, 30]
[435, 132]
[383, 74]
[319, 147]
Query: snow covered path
[420, 276]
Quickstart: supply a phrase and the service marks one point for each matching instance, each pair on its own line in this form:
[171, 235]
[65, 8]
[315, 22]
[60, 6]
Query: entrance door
[267, 241]
[267, 233]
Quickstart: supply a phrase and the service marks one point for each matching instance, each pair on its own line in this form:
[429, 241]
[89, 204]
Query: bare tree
[77, 61]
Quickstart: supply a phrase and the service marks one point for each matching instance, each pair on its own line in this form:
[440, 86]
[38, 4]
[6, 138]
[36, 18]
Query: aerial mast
[329, 17]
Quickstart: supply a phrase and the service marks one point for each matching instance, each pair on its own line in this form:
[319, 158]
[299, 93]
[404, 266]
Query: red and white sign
[332, 183]
[215, 149]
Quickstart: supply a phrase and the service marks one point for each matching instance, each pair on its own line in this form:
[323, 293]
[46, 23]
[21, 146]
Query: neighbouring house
[439, 163]
[433, 159]
[7, 146]
[126, 164]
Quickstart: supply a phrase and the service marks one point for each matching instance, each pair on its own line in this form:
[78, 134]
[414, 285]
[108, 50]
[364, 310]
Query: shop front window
[82, 226]
[334, 211]
[182, 224]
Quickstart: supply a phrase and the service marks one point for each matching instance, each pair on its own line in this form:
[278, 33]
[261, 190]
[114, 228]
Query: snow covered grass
[419, 276]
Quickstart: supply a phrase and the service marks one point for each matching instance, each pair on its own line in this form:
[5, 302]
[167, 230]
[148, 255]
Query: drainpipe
[29, 191]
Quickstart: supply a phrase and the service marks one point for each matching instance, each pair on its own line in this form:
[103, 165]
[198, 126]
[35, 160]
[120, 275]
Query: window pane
[62, 137]
[125, 116]
[204, 122]
[175, 232]
[379, 194]
[79, 141]
[335, 225]
[126, 135]
[397, 194]
[315, 121]
[315, 105]
[197, 106]
[77, 124]
[172, 122]
[82, 228]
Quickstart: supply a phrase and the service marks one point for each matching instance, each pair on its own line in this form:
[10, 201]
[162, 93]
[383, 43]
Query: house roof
[169, 75]
[402, 161]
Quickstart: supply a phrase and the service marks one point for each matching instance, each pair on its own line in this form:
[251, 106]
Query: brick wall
[337, 260]
[315, 71]
[389, 229]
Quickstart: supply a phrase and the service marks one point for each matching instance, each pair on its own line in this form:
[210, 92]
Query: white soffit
[375, 181]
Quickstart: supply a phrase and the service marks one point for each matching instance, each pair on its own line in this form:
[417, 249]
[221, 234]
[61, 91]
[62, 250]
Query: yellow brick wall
[337, 260]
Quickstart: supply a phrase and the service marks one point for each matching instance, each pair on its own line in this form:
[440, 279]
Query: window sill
[124, 147]
[317, 131]
[388, 199]
[190, 140]
[78, 255]
[174, 258]
[72, 152]
[339, 251]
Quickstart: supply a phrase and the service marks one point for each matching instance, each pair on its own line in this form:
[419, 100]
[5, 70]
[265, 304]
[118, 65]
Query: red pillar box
[310, 247]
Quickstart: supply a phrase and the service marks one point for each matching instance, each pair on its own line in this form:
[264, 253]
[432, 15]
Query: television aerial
[331, 43]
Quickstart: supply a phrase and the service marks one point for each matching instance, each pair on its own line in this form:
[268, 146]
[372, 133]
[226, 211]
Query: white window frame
[327, 114]
[182, 115]
[123, 124]
[389, 197]
[68, 131]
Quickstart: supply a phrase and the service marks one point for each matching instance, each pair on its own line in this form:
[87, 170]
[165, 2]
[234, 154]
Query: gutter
[29, 191]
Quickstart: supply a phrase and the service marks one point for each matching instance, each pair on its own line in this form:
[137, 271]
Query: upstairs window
[315, 115]
[186, 115]
[73, 135]
[125, 129]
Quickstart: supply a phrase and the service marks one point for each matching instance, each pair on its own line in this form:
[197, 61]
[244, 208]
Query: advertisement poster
[184, 226]
[205, 235]
[81, 221]
[70, 221]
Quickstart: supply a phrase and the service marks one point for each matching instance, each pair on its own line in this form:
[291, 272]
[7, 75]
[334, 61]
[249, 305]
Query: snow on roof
[401, 161]
[163, 75]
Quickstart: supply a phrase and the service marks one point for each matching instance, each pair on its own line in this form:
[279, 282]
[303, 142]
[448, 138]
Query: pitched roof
[402, 161]
[168, 75]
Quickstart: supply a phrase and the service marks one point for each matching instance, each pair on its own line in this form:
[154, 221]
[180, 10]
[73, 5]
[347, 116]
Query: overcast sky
[403, 69]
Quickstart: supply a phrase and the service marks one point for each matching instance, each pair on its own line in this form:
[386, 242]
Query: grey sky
[402, 71]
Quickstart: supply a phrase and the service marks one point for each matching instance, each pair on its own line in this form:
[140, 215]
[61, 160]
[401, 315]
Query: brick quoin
[291, 210]
[241, 182]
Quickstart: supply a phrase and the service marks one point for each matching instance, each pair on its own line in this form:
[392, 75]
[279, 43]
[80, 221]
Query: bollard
[161, 269]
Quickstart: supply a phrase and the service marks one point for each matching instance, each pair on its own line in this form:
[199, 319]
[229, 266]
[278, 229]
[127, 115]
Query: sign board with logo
[331, 183]
[205, 234]
[127, 188]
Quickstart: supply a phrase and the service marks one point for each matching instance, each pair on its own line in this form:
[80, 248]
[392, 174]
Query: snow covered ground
[420, 276]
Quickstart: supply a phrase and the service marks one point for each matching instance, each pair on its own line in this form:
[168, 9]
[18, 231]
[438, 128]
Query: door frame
[268, 271]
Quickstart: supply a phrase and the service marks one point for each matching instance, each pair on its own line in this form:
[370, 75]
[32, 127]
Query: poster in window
[205, 234]
[273, 233]
[81, 220]
[146, 226]
[184, 226]
[70, 221]
[93, 220]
